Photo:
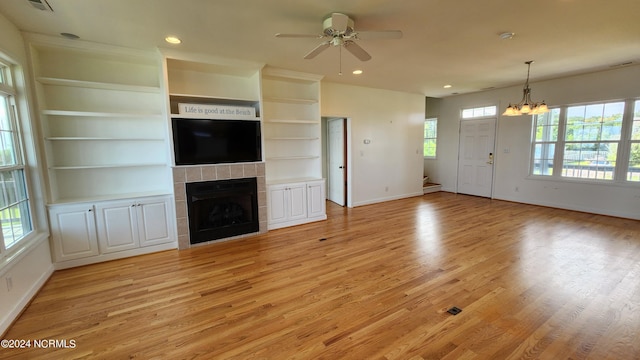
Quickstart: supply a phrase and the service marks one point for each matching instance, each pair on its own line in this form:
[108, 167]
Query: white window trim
[30, 240]
[622, 158]
[434, 119]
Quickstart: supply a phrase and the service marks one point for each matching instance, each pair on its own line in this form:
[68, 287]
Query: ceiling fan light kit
[526, 106]
[339, 30]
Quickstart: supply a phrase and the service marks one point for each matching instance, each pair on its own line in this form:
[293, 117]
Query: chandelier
[526, 106]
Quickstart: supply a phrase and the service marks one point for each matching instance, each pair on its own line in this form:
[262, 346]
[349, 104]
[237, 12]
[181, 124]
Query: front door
[475, 159]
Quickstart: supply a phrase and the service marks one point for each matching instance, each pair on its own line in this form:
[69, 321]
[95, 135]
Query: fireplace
[222, 208]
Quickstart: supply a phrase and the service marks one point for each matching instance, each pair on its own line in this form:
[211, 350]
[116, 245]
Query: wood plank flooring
[374, 282]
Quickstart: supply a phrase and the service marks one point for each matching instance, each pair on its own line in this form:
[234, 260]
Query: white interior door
[336, 170]
[475, 161]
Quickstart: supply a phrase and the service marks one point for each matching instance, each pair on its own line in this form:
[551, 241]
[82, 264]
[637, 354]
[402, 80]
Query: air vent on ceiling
[40, 5]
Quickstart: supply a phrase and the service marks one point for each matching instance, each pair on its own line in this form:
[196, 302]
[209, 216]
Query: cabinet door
[316, 199]
[73, 231]
[154, 225]
[117, 226]
[297, 201]
[277, 204]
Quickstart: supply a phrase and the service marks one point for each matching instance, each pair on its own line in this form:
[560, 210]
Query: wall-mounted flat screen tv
[207, 141]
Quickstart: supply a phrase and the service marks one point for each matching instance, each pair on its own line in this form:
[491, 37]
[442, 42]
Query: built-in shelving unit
[292, 134]
[291, 105]
[201, 80]
[102, 119]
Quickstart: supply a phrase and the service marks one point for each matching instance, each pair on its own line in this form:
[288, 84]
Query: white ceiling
[445, 41]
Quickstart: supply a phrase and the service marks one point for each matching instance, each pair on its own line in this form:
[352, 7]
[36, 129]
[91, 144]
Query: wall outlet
[386, 189]
[9, 280]
[517, 190]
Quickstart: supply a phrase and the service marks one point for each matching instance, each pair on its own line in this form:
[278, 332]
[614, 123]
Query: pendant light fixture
[526, 106]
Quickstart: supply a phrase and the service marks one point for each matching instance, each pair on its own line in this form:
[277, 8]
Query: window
[584, 142]
[546, 135]
[479, 112]
[430, 137]
[15, 213]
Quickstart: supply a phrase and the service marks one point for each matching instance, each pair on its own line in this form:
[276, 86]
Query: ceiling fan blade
[280, 35]
[379, 35]
[339, 22]
[357, 51]
[318, 49]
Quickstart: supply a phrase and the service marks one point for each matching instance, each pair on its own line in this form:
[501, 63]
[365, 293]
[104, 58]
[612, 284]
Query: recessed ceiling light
[172, 40]
[447, 86]
[357, 72]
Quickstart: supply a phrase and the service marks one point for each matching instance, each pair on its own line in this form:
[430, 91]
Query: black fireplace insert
[222, 208]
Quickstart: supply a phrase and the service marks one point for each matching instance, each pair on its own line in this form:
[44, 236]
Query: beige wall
[390, 166]
[511, 174]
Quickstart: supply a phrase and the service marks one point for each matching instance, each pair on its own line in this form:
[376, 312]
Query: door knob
[340, 167]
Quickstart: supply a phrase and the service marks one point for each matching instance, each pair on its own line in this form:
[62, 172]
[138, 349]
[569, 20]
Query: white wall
[390, 166]
[513, 144]
[29, 266]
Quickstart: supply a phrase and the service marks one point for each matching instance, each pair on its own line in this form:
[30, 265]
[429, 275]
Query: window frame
[9, 94]
[624, 144]
[479, 112]
[433, 139]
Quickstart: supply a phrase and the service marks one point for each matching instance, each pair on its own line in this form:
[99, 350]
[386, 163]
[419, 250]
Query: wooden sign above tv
[212, 111]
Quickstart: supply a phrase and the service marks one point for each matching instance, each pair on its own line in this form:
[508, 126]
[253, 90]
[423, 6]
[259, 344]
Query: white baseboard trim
[390, 198]
[26, 299]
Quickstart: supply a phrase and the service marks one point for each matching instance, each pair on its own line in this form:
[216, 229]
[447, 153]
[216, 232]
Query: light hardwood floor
[532, 283]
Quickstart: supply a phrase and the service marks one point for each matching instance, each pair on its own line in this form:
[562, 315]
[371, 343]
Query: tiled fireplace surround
[188, 174]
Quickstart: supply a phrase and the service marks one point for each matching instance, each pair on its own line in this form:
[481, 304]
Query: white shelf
[293, 180]
[214, 99]
[132, 195]
[291, 100]
[196, 116]
[97, 85]
[97, 114]
[86, 138]
[292, 138]
[302, 122]
[284, 158]
[106, 166]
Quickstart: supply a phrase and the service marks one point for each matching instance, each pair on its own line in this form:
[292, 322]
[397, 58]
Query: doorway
[476, 157]
[337, 171]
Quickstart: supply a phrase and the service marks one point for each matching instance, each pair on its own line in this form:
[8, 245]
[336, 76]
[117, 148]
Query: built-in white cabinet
[93, 232]
[293, 147]
[295, 203]
[129, 224]
[316, 200]
[287, 202]
[73, 231]
[101, 111]
[117, 226]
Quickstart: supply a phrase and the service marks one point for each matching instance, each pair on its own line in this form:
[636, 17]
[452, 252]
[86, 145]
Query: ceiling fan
[339, 31]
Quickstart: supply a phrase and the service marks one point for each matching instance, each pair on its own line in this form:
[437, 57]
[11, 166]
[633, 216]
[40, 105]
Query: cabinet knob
[90, 210]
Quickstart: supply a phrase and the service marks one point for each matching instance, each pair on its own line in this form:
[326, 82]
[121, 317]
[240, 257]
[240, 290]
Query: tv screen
[206, 141]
